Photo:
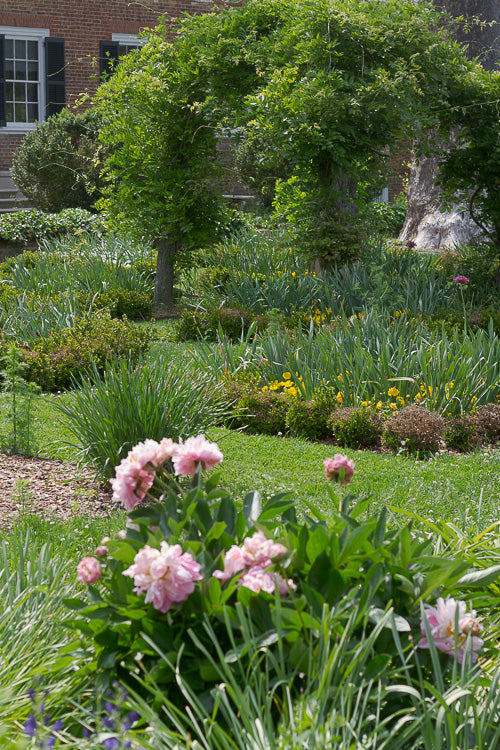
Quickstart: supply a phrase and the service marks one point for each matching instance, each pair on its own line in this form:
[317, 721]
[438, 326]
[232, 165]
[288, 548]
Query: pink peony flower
[339, 469]
[463, 280]
[135, 474]
[234, 562]
[89, 570]
[166, 575]
[257, 579]
[196, 450]
[259, 550]
[442, 620]
[255, 557]
[165, 451]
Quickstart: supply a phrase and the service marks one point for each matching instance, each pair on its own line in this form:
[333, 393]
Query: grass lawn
[450, 486]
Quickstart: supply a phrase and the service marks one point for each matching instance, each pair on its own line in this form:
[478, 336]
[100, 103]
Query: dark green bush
[356, 428]
[123, 302]
[58, 164]
[200, 324]
[460, 433]
[488, 422]
[385, 219]
[261, 412]
[480, 262]
[307, 419]
[54, 362]
[414, 429]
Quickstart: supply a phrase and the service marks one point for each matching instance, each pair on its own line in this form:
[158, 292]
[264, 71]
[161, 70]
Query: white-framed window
[127, 42]
[24, 76]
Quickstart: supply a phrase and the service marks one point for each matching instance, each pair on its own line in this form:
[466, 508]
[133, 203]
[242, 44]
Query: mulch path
[49, 488]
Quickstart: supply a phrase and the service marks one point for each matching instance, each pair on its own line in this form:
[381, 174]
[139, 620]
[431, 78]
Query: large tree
[447, 189]
[328, 86]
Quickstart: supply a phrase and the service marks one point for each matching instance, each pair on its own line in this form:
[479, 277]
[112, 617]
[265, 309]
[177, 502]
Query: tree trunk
[426, 224]
[164, 285]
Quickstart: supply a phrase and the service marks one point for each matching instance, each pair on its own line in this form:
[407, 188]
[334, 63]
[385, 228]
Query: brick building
[51, 51]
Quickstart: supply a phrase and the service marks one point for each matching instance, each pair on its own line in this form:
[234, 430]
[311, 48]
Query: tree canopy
[322, 90]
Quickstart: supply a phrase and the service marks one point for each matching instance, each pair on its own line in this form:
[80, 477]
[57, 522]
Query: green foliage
[356, 428]
[58, 164]
[460, 433]
[83, 349]
[122, 302]
[17, 429]
[355, 590]
[127, 404]
[207, 324]
[28, 226]
[414, 429]
[385, 219]
[262, 412]
[307, 419]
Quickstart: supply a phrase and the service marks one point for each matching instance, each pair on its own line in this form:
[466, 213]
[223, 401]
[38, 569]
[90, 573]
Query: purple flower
[112, 743]
[30, 726]
[462, 280]
[410, 244]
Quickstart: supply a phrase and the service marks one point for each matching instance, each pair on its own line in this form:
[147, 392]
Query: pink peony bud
[89, 570]
[101, 550]
[339, 469]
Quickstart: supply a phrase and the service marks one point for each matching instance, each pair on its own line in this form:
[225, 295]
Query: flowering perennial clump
[255, 557]
[166, 575]
[136, 473]
[450, 626]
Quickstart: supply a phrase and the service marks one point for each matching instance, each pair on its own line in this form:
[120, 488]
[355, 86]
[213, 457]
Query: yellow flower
[293, 273]
[265, 388]
[340, 378]
[287, 376]
[473, 400]
[392, 405]
[430, 389]
[378, 405]
[418, 398]
[364, 403]
[393, 391]
[340, 397]
[400, 400]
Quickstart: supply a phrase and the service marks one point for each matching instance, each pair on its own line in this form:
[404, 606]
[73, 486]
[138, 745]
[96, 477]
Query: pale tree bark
[426, 223]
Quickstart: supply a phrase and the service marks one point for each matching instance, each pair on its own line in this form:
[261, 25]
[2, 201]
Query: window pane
[32, 92]
[9, 112]
[32, 50]
[9, 69]
[20, 92]
[32, 112]
[32, 71]
[20, 70]
[20, 47]
[9, 48]
[19, 112]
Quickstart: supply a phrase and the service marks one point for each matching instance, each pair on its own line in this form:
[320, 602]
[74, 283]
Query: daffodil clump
[286, 385]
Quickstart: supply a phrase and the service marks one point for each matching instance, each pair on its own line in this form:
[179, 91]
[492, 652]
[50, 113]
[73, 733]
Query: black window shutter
[55, 76]
[108, 55]
[3, 121]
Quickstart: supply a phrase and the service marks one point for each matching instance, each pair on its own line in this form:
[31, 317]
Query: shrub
[488, 422]
[385, 219]
[122, 302]
[480, 262]
[307, 419]
[262, 412]
[28, 226]
[414, 429]
[201, 324]
[127, 404]
[460, 433]
[58, 164]
[67, 355]
[356, 428]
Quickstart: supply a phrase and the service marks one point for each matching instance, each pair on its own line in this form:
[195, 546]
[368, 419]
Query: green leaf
[252, 507]
[480, 577]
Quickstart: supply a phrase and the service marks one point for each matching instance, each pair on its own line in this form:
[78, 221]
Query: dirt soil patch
[49, 488]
